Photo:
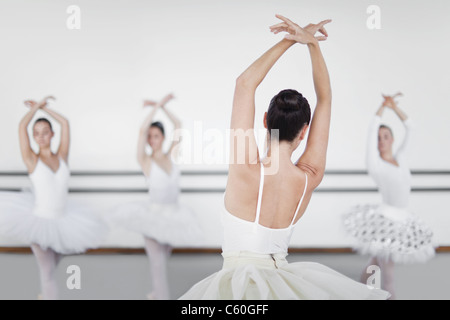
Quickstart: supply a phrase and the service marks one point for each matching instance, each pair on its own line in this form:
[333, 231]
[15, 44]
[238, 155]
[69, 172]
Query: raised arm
[176, 139]
[392, 104]
[64, 146]
[143, 134]
[313, 159]
[28, 155]
[243, 112]
[373, 158]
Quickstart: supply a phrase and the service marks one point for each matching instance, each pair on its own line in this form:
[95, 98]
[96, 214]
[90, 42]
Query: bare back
[280, 197]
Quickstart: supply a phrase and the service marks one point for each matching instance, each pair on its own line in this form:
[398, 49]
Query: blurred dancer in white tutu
[389, 232]
[266, 197]
[45, 219]
[162, 220]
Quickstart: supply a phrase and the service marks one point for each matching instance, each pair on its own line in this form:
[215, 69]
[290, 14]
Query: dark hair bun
[288, 112]
[288, 101]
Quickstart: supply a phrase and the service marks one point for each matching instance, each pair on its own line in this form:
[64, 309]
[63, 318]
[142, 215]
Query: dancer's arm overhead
[313, 159]
[243, 112]
[28, 155]
[176, 139]
[64, 146]
[142, 157]
[373, 158]
[389, 102]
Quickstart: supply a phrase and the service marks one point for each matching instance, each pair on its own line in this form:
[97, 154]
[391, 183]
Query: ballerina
[162, 220]
[45, 219]
[265, 198]
[389, 232]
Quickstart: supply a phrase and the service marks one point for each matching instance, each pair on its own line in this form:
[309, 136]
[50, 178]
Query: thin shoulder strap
[261, 186]
[301, 200]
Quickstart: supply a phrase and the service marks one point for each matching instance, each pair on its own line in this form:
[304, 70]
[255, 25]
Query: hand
[150, 103]
[44, 101]
[30, 104]
[389, 101]
[42, 104]
[166, 99]
[296, 33]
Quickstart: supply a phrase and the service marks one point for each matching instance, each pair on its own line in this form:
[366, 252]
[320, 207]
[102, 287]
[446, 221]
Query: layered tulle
[73, 232]
[247, 276]
[390, 233]
[171, 224]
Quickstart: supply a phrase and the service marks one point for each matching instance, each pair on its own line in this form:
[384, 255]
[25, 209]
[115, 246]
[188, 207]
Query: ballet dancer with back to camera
[161, 219]
[45, 218]
[390, 233]
[266, 197]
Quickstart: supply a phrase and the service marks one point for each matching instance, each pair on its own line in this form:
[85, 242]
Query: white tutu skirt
[390, 233]
[250, 276]
[171, 224]
[72, 233]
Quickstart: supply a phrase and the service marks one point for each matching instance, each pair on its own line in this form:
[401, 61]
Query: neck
[387, 155]
[158, 153]
[279, 152]
[45, 152]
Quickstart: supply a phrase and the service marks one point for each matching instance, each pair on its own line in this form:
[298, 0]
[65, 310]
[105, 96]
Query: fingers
[149, 103]
[324, 22]
[286, 20]
[281, 27]
[321, 38]
[278, 30]
[324, 32]
[29, 103]
[321, 27]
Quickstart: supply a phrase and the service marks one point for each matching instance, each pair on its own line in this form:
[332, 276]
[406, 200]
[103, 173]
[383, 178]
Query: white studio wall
[128, 51]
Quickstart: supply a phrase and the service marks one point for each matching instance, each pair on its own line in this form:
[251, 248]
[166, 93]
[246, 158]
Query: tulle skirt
[172, 224]
[250, 276]
[73, 232]
[390, 233]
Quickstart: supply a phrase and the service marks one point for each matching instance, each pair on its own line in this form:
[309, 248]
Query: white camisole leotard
[242, 235]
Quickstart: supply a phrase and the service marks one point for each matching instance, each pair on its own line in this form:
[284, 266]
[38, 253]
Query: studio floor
[125, 277]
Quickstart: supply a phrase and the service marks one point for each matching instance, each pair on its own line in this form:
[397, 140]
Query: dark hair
[386, 127]
[44, 121]
[288, 112]
[158, 125]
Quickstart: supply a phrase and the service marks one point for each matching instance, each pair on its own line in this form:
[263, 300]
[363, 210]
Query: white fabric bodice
[241, 235]
[50, 189]
[163, 187]
[394, 183]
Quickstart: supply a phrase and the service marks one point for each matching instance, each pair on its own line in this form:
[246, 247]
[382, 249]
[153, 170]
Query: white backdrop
[130, 50]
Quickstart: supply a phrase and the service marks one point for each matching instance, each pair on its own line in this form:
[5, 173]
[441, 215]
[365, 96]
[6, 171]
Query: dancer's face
[155, 138]
[43, 134]
[385, 140]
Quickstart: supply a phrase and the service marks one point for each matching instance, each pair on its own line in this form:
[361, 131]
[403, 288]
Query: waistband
[242, 258]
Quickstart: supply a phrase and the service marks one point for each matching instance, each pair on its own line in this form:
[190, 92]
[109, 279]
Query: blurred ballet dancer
[44, 218]
[389, 232]
[265, 198]
[162, 220]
